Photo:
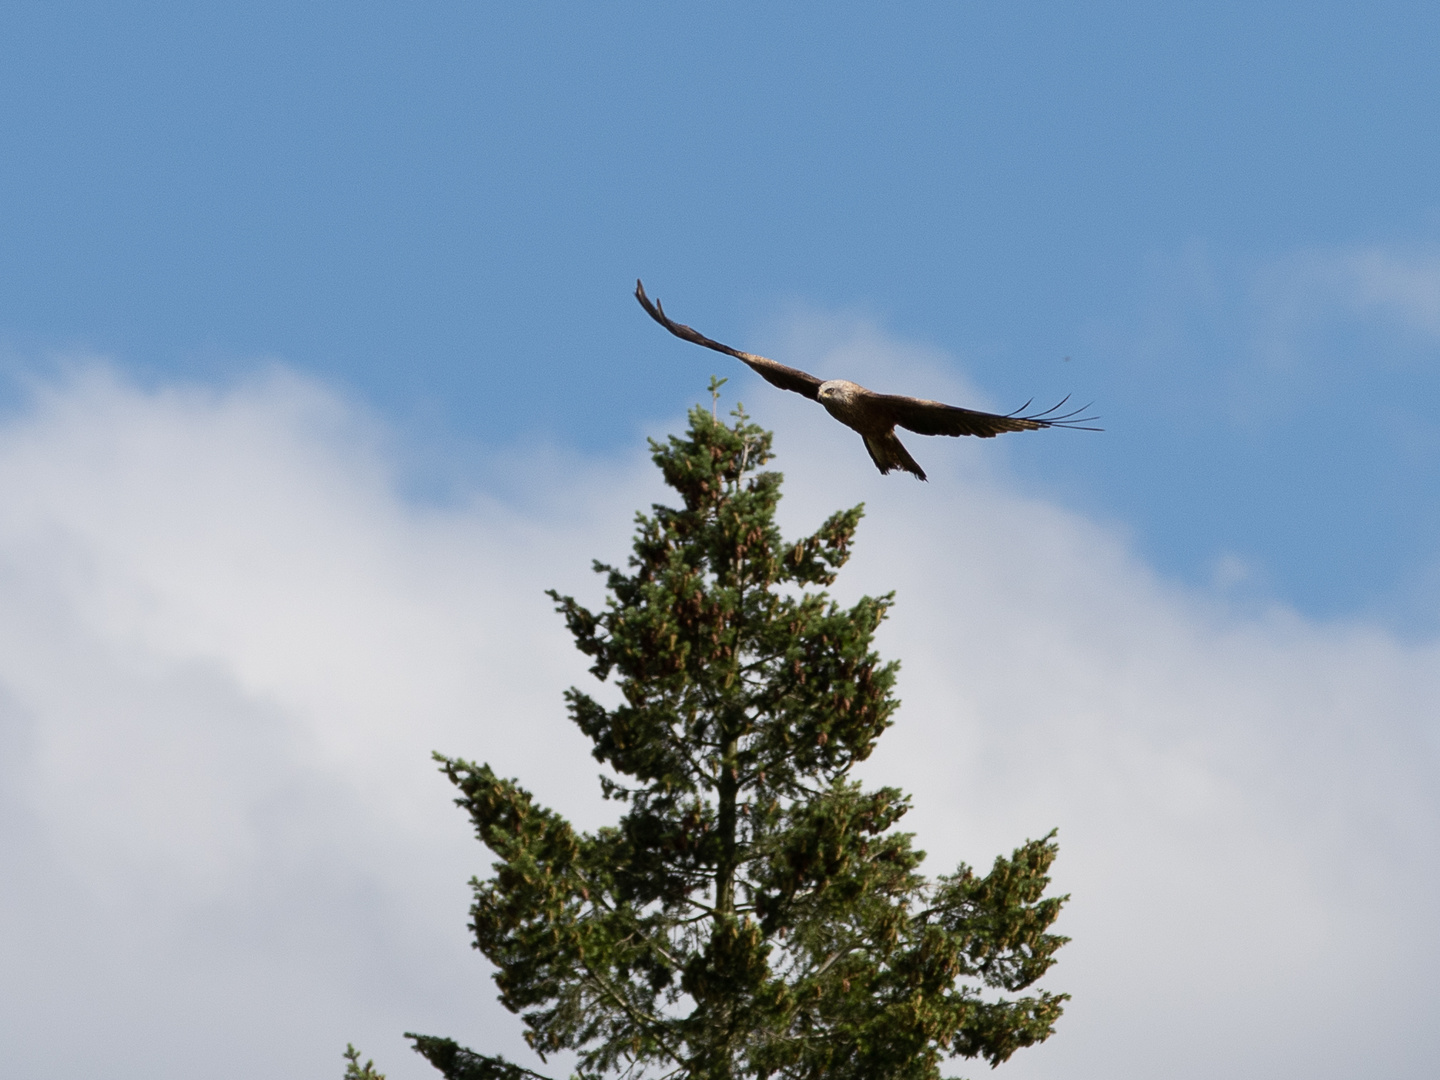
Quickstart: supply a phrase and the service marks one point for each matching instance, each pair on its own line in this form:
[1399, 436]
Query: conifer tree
[754, 912]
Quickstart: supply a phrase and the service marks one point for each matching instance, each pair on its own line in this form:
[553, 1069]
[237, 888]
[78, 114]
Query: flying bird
[876, 416]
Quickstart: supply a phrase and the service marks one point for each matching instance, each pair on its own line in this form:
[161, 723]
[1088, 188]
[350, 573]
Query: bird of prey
[875, 416]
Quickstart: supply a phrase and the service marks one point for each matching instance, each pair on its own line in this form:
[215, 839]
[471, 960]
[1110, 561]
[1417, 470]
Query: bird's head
[836, 392]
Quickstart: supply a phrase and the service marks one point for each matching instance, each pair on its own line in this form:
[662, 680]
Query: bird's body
[873, 416]
[852, 405]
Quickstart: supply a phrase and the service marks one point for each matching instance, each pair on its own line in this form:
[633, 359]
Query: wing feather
[773, 372]
[927, 417]
[936, 418]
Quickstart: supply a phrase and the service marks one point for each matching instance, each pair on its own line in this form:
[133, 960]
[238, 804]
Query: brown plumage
[875, 416]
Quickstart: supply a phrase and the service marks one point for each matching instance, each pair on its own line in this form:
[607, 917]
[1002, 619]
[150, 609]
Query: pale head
[839, 392]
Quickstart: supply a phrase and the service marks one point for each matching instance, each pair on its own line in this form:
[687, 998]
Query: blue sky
[320, 363]
[440, 208]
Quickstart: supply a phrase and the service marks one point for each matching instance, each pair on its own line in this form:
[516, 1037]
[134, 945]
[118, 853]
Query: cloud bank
[228, 646]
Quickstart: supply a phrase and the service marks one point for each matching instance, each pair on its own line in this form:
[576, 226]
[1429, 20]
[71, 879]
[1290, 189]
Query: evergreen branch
[829, 960]
[636, 928]
[459, 1063]
[635, 1014]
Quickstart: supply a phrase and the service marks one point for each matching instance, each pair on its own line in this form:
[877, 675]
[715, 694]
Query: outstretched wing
[937, 418]
[777, 374]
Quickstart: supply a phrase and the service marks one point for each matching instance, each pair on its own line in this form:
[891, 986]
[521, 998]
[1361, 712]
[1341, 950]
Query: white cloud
[226, 651]
[1250, 824]
[1404, 286]
[227, 648]
[1393, 290]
